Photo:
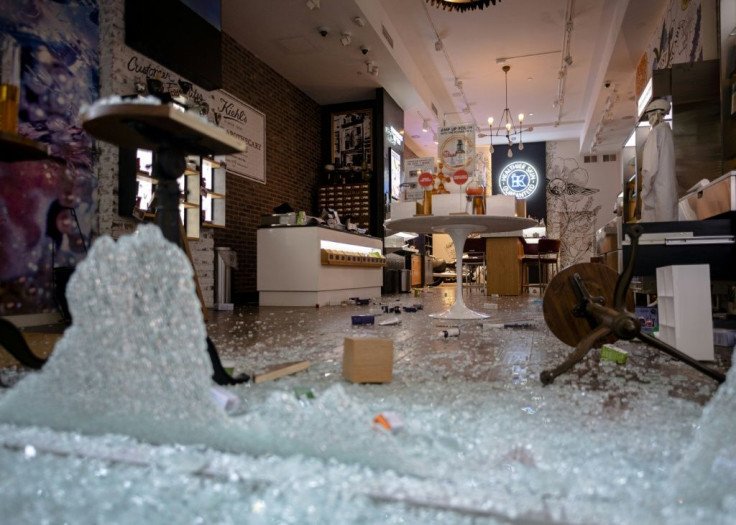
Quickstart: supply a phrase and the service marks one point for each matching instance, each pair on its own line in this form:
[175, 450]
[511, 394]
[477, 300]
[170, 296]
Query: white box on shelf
[501, 205]
[403, 210]
[685, 320]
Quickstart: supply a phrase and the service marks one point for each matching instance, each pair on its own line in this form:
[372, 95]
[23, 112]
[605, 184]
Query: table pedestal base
[458, 234]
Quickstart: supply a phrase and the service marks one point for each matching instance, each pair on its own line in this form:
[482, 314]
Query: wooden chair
[548, 256]
[530, 258]
[545, 255]
[475, 262]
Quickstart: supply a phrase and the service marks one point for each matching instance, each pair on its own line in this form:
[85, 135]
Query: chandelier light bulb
[521, 146]
[490, 121]
[510, 154]
[521, 118]
[508, 126]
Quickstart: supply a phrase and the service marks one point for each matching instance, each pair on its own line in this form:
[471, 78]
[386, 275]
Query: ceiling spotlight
[425, 125]
[438, 45]
[313, 4]
[359, 21]
[345, 39]
[458, 83]
[568, 60]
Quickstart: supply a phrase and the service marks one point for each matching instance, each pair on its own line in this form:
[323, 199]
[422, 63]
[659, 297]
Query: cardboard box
[368, 360]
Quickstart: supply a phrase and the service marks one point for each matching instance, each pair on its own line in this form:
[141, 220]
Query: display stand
[171, 134]
[458, 227]
[14, 148]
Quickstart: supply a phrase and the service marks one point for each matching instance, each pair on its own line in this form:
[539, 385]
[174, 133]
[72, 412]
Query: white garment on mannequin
[659, 183]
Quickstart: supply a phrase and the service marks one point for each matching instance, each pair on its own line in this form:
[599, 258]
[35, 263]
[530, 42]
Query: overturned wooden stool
[576, 309]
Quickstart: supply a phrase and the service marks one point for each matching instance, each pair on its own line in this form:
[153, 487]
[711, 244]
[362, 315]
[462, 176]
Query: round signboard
[519, 179]
[425, 179]
[460, 177]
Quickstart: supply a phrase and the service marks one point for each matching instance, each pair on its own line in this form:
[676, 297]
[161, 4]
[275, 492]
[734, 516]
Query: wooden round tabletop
[560, 298]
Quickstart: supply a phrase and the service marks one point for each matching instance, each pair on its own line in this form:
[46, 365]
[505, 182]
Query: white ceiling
[606, 41]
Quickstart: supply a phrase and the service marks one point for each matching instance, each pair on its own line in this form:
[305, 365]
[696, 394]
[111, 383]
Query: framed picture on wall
[352, 140]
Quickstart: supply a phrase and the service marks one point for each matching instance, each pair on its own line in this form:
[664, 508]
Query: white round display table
[458, 227]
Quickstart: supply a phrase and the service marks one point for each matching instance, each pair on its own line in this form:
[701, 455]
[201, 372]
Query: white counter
[291, 271]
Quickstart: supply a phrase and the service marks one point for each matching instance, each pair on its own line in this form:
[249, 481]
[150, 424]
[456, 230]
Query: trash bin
[225, 259]
[405, 283]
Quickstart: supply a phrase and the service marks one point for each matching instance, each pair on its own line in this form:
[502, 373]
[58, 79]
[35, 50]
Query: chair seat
[545, 256]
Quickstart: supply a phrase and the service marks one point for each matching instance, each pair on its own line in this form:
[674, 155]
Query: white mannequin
[659, 183]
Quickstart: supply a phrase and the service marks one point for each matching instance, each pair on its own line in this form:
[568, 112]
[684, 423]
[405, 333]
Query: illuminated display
[519, 179]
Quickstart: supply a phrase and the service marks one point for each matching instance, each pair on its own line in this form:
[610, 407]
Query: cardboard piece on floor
[280, 370]
[368, 360]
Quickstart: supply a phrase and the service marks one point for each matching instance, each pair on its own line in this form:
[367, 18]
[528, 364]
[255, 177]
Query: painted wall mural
[679, 36]
[60, 64]
[571, 206]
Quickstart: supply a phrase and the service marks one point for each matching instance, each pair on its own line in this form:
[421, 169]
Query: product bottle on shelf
[9, 84]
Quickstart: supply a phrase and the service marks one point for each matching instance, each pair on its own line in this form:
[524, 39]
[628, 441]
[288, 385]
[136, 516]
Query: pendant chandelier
[461, 5]
[506, 122]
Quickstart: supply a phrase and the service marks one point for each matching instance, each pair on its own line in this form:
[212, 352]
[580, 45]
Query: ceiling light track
[440, 47]
[565, 60]
[501, 60]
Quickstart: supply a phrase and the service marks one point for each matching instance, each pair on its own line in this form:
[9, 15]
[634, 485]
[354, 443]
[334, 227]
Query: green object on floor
[302, 392]
[611, 353]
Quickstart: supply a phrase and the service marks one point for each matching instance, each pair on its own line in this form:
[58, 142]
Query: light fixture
[461, 5]
[345, 39]
[507, 121]
[425, 125]
[371, 68]
[313, 4]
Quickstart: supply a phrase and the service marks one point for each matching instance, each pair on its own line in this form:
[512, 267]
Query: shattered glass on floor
[475, 436]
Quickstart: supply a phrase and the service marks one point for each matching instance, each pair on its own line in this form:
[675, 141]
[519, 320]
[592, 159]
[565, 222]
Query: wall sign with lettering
[249, 125]
[519, 179]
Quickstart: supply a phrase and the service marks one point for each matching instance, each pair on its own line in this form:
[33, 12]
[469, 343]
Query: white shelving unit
[685, 320]
[202, 189]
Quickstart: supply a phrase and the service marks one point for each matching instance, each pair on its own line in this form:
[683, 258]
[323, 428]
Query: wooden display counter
[503, 265]
[315, 265]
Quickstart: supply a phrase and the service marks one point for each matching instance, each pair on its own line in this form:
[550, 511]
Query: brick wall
[293, 139]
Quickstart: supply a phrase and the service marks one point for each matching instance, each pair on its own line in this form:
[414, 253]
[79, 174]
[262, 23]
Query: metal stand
[170, 163]
[606, 322]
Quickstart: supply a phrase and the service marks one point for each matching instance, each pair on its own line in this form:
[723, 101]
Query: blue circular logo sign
[519, 179]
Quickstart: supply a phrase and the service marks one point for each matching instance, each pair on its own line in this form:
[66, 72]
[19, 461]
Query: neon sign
[519, 179]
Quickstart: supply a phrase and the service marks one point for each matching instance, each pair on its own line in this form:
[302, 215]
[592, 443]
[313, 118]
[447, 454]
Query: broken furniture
[583, 308]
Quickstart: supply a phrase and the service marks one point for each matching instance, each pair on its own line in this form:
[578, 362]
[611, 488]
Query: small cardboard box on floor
[368, 360]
